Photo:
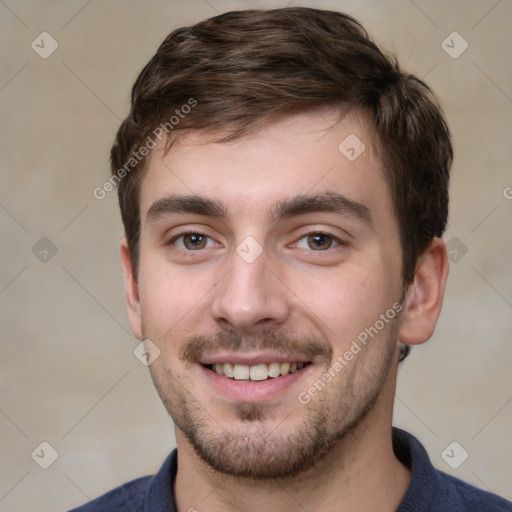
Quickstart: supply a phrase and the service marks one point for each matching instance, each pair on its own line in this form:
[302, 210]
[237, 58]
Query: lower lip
[253, 391]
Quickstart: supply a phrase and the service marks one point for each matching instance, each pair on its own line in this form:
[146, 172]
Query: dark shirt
[430, 490]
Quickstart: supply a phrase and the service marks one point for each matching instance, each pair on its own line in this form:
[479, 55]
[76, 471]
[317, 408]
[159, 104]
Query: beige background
[68, 374]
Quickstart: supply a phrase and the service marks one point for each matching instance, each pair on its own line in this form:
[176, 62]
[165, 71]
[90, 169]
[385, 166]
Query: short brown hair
[241, 69]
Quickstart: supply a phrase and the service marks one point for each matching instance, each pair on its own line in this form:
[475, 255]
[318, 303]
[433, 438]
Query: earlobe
[132, 299]
[424, 296]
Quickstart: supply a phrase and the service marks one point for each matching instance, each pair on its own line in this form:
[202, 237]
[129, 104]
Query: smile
[257, 372]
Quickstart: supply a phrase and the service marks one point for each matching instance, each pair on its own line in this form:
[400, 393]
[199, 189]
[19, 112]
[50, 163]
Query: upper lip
[252, 358]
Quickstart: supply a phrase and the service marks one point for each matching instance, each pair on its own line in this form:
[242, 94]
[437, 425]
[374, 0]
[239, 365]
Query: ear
[132, 299]
[424, 296]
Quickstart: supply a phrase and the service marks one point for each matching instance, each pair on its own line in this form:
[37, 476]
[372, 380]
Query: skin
[335, 452]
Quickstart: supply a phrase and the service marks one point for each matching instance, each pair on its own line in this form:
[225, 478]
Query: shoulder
[432, 490]
[455, 494]
[130, 494]
[145, 493]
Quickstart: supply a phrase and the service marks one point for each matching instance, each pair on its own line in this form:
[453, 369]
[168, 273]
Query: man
[283, 187]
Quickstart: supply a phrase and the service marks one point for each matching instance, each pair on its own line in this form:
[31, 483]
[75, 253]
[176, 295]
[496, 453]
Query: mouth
[255, 376]
[257, 372]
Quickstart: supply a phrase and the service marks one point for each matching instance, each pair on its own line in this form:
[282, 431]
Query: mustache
[309, 347]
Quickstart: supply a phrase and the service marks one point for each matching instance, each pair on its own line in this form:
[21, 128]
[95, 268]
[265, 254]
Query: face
[263, 263]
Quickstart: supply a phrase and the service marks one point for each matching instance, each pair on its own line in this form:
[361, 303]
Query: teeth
[259, 372]
[228, 370]
[274, 369]
[256, 372]
[241, 371]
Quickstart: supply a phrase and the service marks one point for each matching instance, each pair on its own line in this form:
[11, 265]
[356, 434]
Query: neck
[360, 473]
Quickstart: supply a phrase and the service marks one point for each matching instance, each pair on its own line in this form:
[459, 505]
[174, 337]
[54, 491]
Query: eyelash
[173, 240]
[334, 238]
[339, 241]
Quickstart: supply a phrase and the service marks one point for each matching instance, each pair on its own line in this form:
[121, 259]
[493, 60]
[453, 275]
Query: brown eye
[194, 241]
[320, 241]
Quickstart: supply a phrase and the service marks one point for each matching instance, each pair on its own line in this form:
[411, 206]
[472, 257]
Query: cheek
[343, 302]
[172, 300]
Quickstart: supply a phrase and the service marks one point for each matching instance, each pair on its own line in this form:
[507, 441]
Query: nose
[251, 296]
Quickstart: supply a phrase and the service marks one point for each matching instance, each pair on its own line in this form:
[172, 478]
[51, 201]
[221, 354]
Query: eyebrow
[186, 204]
[328, 202]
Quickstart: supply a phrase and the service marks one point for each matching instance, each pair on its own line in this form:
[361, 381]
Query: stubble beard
[254, 445]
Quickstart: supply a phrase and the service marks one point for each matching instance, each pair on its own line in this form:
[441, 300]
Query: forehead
[302, 154]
